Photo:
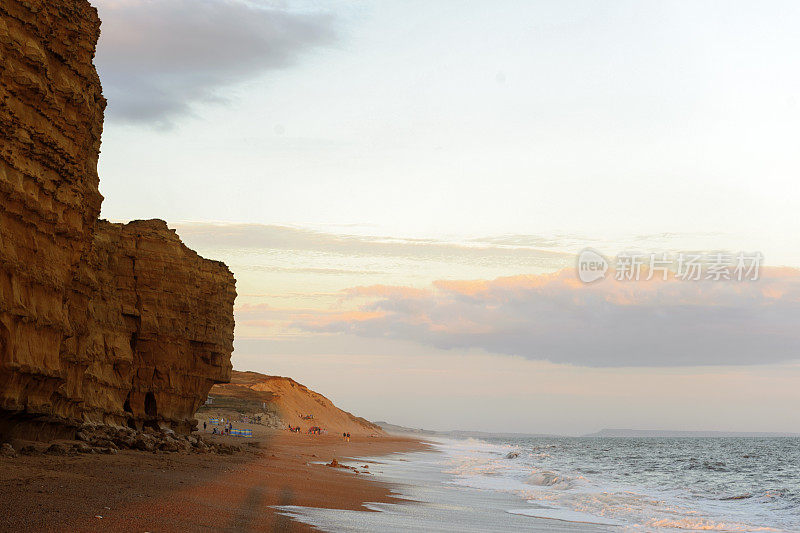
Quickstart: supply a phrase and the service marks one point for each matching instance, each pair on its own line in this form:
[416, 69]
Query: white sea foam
[566, 515]
[586, 485]
[560, 486]
[549, 479]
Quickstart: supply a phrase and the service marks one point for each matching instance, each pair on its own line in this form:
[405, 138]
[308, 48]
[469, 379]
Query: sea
[581, 484]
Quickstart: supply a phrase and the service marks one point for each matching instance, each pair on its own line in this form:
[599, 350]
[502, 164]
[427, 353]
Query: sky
[401, 189]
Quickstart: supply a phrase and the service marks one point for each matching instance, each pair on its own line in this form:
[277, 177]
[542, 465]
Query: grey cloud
[157, 58]
[609, 324]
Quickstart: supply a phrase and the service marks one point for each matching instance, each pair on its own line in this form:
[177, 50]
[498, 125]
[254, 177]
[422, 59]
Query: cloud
[223, 237]
[608, 324]
[157, 58]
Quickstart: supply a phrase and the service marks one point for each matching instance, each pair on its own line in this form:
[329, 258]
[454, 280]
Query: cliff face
[159, 327]
[296, 405]
[99, 323]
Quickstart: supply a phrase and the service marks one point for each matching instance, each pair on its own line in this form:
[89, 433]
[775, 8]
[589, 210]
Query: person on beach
[348, 437]
[344, 437]
[204, 426]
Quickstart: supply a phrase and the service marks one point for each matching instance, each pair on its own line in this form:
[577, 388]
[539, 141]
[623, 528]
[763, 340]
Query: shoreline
[140, 491]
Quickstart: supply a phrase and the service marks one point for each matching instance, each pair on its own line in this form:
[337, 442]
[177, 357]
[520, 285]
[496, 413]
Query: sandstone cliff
[296, 405]
[99, 323]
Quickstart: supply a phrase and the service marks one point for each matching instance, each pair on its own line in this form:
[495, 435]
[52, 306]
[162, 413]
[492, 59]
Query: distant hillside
[667, 433]
[454, 434]
[641, 433]
[288, 401]
[395, 429]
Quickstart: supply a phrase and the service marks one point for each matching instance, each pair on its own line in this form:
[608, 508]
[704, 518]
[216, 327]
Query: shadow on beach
[141, 491]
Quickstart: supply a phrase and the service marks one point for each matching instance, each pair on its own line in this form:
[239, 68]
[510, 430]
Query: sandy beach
[358, 267]
[140, 491]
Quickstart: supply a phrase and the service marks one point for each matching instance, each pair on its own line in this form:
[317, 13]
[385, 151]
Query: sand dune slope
[292, 402]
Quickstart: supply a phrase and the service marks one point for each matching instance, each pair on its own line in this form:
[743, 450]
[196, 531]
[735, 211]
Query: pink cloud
[555, 317]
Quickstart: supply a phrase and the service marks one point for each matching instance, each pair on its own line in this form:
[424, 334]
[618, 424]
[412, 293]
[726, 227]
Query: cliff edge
[100, 323]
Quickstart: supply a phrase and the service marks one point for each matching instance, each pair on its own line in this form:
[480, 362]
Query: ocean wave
[699, 524]
[737, 497]
[666, 485]
[549, 479]
[716, 466]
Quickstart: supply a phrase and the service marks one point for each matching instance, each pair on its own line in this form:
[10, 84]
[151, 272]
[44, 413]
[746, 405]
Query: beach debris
[144, 443]
[56, 449]
[109, 440]
[7, 450]
[30, 450]
[81, 447]
[336, 464]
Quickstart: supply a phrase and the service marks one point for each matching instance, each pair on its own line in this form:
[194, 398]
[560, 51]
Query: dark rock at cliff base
[6, 450]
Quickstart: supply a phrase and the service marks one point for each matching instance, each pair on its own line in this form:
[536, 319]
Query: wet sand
[140, 491]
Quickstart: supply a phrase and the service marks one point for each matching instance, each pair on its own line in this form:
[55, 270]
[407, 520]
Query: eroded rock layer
[99, 323]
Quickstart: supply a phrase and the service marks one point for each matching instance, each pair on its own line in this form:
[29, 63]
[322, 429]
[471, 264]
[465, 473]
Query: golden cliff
[294, 404]
[100, 323]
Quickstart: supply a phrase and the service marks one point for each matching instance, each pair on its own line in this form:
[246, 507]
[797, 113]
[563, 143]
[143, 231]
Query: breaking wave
[641, 484]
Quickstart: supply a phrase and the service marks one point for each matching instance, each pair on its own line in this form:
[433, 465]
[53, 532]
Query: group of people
[224, 430]
[313, 430]
[316, 430]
